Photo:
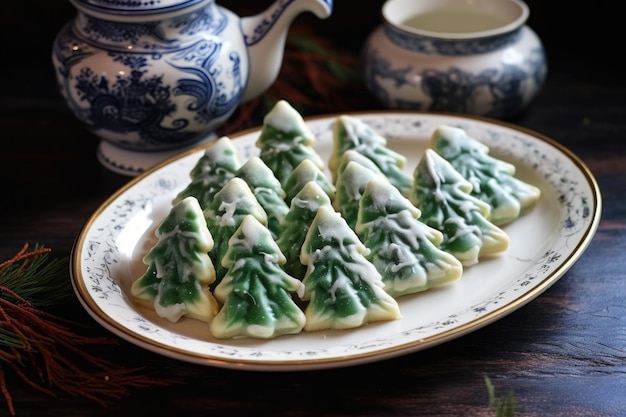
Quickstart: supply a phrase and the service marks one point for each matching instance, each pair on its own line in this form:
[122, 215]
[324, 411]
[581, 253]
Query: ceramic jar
[152, 78]
[475, 57]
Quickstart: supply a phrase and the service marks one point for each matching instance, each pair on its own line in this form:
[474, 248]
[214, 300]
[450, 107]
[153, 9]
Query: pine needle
[47, 279]
[504, 406]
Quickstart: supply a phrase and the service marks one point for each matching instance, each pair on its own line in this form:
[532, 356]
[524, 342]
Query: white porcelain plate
[545, 243]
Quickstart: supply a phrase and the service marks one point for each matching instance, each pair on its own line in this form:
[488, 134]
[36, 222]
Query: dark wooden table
[564, 354]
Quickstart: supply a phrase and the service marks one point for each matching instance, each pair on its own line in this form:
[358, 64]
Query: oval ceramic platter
[544, 243]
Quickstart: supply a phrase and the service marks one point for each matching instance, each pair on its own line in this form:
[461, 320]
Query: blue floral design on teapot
[161, 76]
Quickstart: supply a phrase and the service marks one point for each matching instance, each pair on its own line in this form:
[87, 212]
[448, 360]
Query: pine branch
[315, 76]
[41, 348]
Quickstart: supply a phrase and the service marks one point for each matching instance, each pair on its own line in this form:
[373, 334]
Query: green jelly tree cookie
[403, 249]
[296, 223]
[352, 155]
[285, 141]
[443, 196]
[179, 268]
[350, 185]
[216, 166]
[267, 190]
[231, 204]
[256, 292]
[493, 180]
[307, 171]
[350, 132]
[343, 288]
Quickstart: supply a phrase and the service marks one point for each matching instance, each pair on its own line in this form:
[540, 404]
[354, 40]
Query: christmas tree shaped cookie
[352, 155]
[403, 249]
[493, 180]
[296, 223]
[231, 204]
[350, 186]
[285, 141]
[343, 288]
[216, 166]
[443, 196]
[179, 268]
[267, 190]
[307, 171]
[352, 133]
[256, 293]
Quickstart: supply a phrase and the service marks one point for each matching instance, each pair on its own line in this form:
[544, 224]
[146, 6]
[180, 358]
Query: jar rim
[455, 19]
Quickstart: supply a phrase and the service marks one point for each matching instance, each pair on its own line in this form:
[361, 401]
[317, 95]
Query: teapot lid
[135, 7]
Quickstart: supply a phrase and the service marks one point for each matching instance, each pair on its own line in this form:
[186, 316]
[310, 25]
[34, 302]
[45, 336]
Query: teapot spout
[265, 35]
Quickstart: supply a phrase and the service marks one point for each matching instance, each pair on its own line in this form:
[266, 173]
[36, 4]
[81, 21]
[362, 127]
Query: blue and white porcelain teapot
[152, 77]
